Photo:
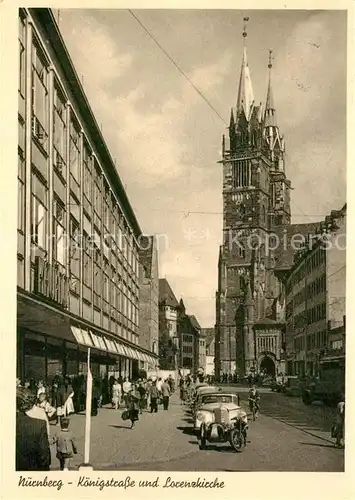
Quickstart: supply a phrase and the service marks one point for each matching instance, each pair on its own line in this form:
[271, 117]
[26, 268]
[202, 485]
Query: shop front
[50, 343]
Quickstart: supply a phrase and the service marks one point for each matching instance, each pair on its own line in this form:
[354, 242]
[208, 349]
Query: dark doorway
[267, 365]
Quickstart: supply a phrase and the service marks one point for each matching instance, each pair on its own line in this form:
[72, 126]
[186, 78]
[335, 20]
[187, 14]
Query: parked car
[292, 386]
[211, 401]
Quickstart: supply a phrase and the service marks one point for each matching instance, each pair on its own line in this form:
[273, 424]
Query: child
[43, 403]
[65, 444]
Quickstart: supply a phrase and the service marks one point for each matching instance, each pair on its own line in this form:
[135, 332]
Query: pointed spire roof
[245, 99]
[231, 121]
[270, 113]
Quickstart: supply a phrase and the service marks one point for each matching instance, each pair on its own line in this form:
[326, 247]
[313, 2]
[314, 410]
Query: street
[287, 436]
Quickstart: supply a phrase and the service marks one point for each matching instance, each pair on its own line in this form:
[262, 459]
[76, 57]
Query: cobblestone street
[288, 436]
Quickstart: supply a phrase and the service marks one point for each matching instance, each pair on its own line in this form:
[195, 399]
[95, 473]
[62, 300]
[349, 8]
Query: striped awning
[104, 343]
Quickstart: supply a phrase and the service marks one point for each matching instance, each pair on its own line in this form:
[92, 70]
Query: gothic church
[256, 204]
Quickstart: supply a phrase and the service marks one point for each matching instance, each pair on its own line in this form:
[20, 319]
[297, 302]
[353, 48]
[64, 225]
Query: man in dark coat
[32, 447]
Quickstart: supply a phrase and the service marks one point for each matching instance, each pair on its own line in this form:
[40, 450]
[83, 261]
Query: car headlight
[200, 416]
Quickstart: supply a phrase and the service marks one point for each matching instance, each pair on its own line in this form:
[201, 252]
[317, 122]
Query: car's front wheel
[202, 437]
[237, 440]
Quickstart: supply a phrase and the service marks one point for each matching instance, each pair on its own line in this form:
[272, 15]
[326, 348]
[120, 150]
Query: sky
[167, 140]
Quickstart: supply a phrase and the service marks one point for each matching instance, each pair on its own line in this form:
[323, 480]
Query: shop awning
[107, 344]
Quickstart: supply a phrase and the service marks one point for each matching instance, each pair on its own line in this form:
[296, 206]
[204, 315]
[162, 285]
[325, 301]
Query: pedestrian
[65, 398]
[165, 391]
[43, 403]
[32, 445]
[338, 432]
[38, 412]
[143, 396]
[182, 390]
[154, 395]
[95, 395]
[127, 386]
[40, 388]
[65, 443]
[116, 394]
[159, 385]
[133, 405]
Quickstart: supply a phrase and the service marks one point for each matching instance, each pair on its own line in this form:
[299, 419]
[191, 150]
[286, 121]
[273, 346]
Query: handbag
[125, 415]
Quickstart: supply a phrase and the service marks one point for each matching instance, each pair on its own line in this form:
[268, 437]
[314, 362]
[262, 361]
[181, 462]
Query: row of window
[313, 289]
[316, 313]
[312, 263]
[314, 341]
[81, 243]
[267, 343]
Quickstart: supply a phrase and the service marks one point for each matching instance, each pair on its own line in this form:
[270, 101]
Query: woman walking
[65, 398]
[133, 405]
[116, 394]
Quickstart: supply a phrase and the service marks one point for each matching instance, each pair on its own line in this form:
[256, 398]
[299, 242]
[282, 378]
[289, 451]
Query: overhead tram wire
[176, 65]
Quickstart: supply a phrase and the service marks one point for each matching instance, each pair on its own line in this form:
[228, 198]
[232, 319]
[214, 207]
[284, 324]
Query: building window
[58, 231]
[22, 57]
[87, 173]
[21, 195]
[74, 255]
[38, 212]
[97, 189]
[87, 261]
[106, 280]
[97, 276]
[106, 207]
[39, 98]
[74, 151]
[241, 173]
[59, 133]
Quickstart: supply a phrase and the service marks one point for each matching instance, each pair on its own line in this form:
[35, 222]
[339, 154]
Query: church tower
[255, 199]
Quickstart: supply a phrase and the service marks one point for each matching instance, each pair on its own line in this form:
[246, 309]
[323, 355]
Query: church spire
[270, 113]
[245, 99]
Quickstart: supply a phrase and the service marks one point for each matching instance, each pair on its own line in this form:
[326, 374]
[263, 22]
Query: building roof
[245, 98]
[194, 322]
[166, 294]
[286, 250]
[47, 21]
[209, 334]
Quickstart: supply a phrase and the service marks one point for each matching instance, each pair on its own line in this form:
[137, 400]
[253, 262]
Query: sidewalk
[155, 437]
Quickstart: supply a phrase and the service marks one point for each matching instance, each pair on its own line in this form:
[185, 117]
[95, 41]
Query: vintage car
[222, 422]
[211, 401]
[200, 390]
[201, 394]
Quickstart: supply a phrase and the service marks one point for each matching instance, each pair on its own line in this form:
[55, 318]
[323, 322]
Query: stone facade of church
[256, 210]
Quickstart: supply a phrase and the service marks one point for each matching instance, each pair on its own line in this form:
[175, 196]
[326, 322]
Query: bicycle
[254, 407]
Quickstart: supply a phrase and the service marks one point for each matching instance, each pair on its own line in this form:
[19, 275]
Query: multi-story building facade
[149, 296]
[77, 252]
[315, 295]
[202, 352]
[168, 327]
[189, 331]
[209, 334]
